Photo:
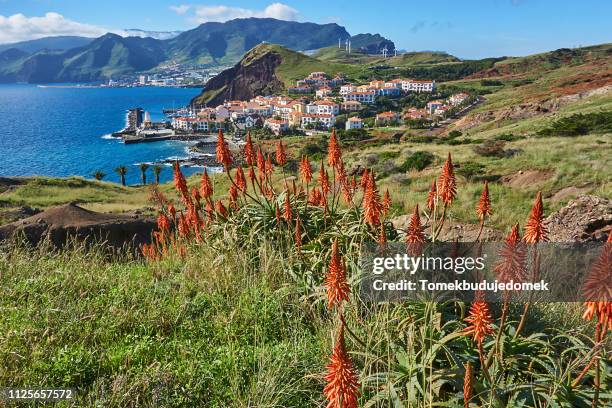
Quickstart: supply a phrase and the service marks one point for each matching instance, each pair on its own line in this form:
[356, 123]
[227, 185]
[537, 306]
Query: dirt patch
[527, 178]
[569, 192]
[587, 218]
[63, 223]
[453, 231]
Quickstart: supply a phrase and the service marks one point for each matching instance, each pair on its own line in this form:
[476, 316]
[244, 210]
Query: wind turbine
[384, 52]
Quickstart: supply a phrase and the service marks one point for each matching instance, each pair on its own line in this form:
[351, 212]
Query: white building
[325, 120]
[353, 123]
[346, 89]
[323, 92]
[323, 107]
[410, 85]
[363, 97]
[191, 124]
[457, 99]
[277, 126]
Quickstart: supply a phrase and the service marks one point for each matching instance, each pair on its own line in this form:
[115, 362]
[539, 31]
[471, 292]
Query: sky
[465, 28]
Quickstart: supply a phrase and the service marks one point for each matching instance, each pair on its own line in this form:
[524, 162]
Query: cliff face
[247, 79]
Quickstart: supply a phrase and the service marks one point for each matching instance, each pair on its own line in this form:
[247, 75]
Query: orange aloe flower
[468, 385]
[281, 155]
[315, 197]
[221, 208]
[261, 161]
[223, 154]
[479, 320]
[447, 184]
[386, 202]
[209, 209]
[269, 165]
[163, 223]
[206, 188]
[483, 209]
[365, 177]
[597, 289]
[335, 280]
[512, 258]
[183, 225]
[172, 211]
[432, 196]
[249, 152]
[287, 213]
[372, 206]
[342, 386]
[347, 192]
[535, 230]
[305, 169]
[334, 155]
[240, 179]
[415, 237]
[196, 195]
[233, 197]
[323, 179]
[180, 183]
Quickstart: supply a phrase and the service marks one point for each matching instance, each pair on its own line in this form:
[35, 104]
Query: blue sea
[65, 131]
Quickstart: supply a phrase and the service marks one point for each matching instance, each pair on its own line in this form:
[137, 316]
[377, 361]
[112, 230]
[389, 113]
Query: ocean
[65, 131]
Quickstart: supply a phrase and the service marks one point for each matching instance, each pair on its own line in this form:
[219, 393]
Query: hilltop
[265, 70]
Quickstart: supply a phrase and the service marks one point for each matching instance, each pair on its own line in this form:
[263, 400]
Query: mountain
[226, 43]
[264, 70]
[104, 57]
[371, 44]
[158, 35]
[59, 43]
[211, 44]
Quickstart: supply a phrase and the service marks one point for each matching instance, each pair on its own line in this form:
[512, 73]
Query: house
[351, 106]
[386, 118]
[412, 85]
[457, 99]
[414, 113]
[323, 107]
[196, 124]
[325, 120]
[433, 105]
[441, 111]
[277, 126]
[388, 91]
[346, 89]
[353, 123]
[363, 97]
[323, 92]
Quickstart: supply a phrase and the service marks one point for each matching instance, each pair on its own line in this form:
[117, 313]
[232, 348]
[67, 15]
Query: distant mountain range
[78, 59]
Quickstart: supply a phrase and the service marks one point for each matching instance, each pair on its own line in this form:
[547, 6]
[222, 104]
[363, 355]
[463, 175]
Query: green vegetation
[580, 124]
[417, 161]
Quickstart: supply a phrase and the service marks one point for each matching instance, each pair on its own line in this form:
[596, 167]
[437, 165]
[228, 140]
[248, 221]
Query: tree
[121, 171]
[156, 170]
[99, 175]
[143, 172]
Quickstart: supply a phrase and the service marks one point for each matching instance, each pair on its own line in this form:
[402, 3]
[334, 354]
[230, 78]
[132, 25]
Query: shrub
[580, 124]
[491, 82]
[470, 170]
[417, 161]
[388, 155]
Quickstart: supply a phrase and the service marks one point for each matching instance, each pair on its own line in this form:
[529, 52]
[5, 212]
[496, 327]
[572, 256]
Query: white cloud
[181, 9]
[221, 13]
[18, 27]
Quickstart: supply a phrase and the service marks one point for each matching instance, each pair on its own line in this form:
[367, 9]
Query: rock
[586, 218]
[63, 223]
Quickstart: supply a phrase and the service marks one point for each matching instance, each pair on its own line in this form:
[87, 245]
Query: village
[317, 102]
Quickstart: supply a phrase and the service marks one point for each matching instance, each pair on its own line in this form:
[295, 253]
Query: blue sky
[466, 28]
